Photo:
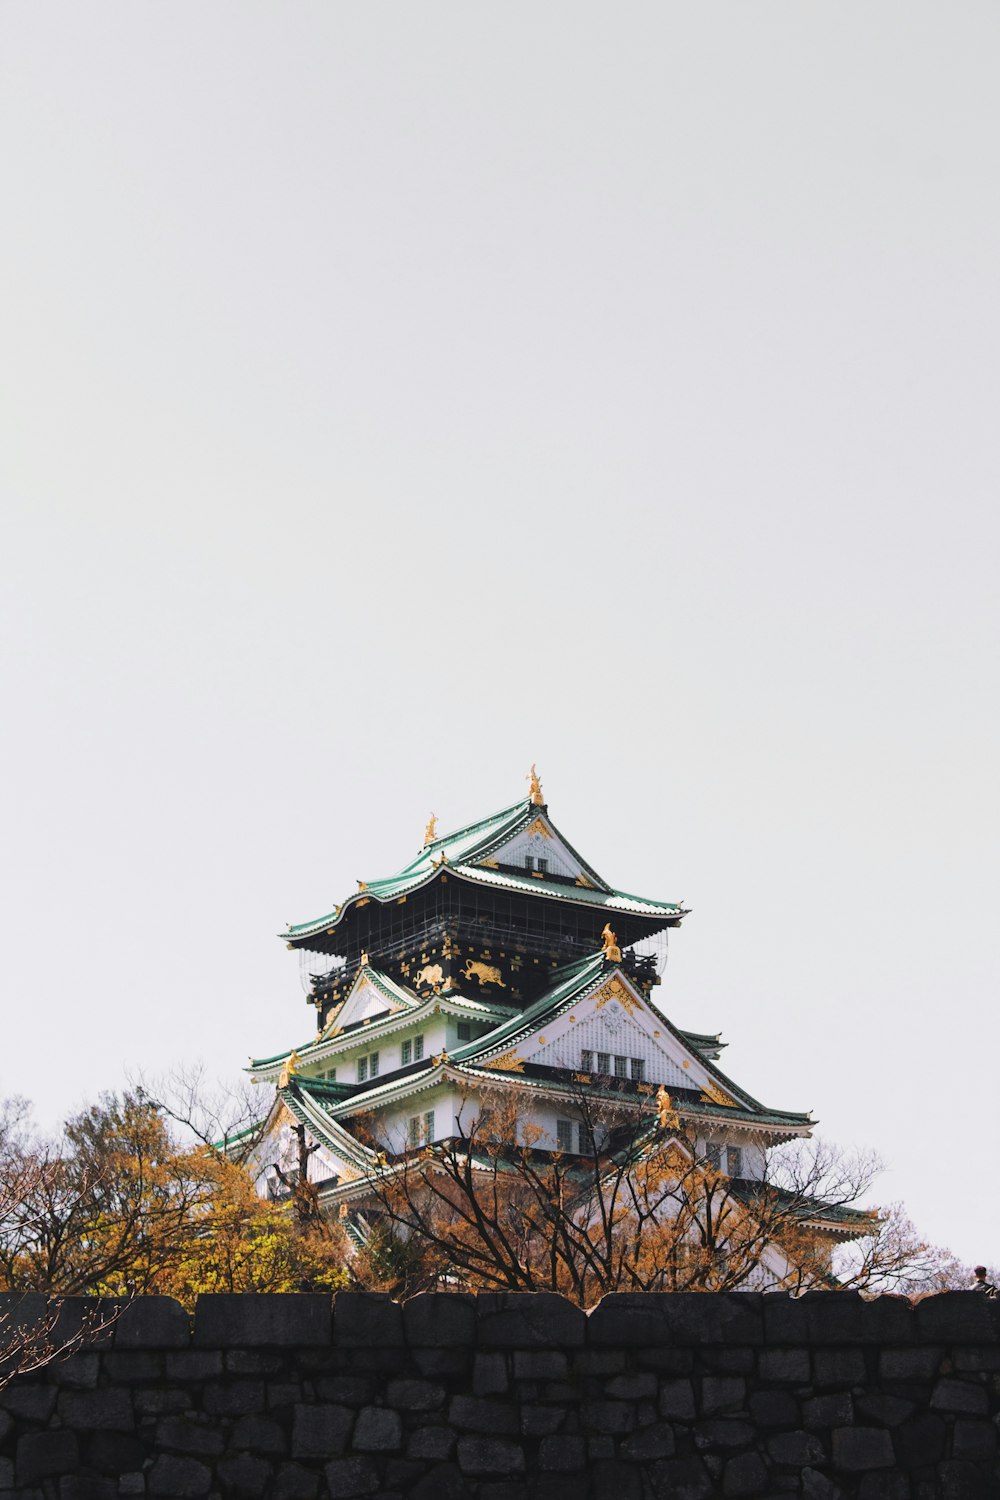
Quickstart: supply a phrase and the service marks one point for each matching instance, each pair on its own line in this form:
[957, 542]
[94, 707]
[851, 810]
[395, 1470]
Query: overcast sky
[393, 395]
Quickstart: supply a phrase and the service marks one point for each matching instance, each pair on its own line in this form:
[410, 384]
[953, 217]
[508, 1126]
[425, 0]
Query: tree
[638, 1208]
[117, 1206]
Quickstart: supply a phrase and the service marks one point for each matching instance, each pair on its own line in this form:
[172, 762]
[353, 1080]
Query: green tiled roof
[463, 853]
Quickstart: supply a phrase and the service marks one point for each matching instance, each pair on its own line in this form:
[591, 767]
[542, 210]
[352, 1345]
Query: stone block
[833, 1410]
[665, 1361]
[613, 1417]
[132, 1484]
[181, 1435]
[957, 1318]
[483, 1456]
[844, 1317]
[179, 1478]
[920, 1441]
[295, 1482]
[442, 1364]
[716, 1359]
[282, 1393]
[224, 1320]
[641, 1386]
[41, 1455]
[245, 1475]
[961, 1480]
[194, 1364]
[435, 1444]
[541, 1421]
[234, 1398]
[676, 1400]
[260, 1435]
[785, 1318]
[444, 1482]
[884, 1484]
[856, 1449]
[921, 1362]
[818, 1486]
[29, 1402]
[152, 1323]
[721, 1393]
[678, 1479]
[883, 1409]
[115, 1452]
[474, 1414]
[982, 1359]
[159, 1400]
[563, 1453]
[367, 1320]
[440, 1319]
[797, 1450]
[414, 1395]
[254, 1361]
[351, 1476]
[648, 1443]
[670, 1318]
[346, 1390]
[109, 1409]
[124, 1368]
[774, 1409]
[78, 1372]
[960, 1396]
[87, 1487]
[378, 1430]
[489, 1375]
[529, 1320]
[720, 1432]
[744, 1475]
[974, 1440]
[540, 1364]
[784, 1366]
[321, 1431]
[834, 1368]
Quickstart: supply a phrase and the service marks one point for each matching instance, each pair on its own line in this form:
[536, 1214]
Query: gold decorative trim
[588, 885]
[489, 864]
[615, 989]
[540, 826]
[612, 952]
[430, 832]
[712, 1094]
[507, 1062]
[536, 787]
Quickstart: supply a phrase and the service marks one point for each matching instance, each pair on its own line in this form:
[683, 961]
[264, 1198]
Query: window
[406, 1052]
[429, 1125]
[368, 1067]
[713, 1154]
[373, 1065]
[638, 1070]
[414, 1131]
[464, 1031]
[587, 1061]
[330, 1075]
[362, 1069]
[418, 1047]
[584, 1139]
[735, 1158]
[621, 1067]
[529, 863]
[603, 1063]
[564, 1135]
[542, 866]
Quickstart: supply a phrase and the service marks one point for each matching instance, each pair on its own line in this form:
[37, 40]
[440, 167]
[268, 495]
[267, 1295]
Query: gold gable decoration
[712, 1094]
[507, 1062]
[615, 989]
[540, 826]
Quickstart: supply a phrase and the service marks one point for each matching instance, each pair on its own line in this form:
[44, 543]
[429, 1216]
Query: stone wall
[504, 1396]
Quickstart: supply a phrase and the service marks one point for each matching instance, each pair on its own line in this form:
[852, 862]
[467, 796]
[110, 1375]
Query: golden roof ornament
[536, 787]
[364, 958]
[665, 1108]
[290, 1066]
[612, 952]
[430, 832]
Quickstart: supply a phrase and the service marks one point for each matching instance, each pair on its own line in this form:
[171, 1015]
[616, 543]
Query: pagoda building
[497, 957]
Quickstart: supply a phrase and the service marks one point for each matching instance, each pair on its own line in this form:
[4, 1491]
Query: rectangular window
[543, 865]
[621, 1067]
[406, 1052]
[735, 1159]
[564, 1135]
[464, 1031]
[362, 1069]
[603, 1063]
[414, 1131]
[587, 1061]
[713, 1154]
[529, 863]
[418, 1047]
[373, 1065]
[584, 1139]
[429, 1125]
[331, 1074]
[638, 1069]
